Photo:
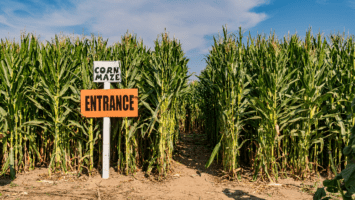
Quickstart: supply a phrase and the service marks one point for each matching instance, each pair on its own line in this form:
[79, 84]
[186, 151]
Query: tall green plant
[165, 80]
[56, 72]
[12, 93]
[232, 81]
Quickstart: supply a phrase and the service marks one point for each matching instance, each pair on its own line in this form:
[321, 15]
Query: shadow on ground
[5, 181]
[193, 151]
[238, 194]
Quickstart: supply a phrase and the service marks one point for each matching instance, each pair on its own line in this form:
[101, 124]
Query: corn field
[40, 121]
[279, 107]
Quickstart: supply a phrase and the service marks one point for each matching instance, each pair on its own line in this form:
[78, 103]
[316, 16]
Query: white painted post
[106, 71]
[106, 143]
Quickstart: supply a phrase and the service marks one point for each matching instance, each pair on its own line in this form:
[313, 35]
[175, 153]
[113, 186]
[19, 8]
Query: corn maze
[280, 107]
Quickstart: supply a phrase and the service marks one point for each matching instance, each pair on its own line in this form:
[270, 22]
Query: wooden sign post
[108, 103]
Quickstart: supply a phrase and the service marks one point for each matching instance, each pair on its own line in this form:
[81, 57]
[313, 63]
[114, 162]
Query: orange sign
[109, 103]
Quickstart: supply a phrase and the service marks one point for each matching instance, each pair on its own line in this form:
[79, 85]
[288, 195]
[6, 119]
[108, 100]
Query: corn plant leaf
[214, 153]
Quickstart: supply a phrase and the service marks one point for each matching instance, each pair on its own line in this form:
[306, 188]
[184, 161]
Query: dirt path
[189, 180]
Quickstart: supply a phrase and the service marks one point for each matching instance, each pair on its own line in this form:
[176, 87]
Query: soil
[188, 180]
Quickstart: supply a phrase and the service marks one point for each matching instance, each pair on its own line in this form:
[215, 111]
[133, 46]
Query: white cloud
[189, 21]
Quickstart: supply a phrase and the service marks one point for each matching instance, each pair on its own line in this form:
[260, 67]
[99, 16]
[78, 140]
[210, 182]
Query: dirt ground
[189, 180]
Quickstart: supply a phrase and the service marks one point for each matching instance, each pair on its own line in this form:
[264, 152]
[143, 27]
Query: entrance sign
[109, 103]
[107, 71]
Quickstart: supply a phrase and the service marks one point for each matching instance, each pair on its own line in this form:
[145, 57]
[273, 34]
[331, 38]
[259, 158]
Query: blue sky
[193, 22]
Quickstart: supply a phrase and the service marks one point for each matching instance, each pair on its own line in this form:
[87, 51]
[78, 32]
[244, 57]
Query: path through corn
[188, 180]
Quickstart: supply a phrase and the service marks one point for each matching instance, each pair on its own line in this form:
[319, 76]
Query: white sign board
[107, 71]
